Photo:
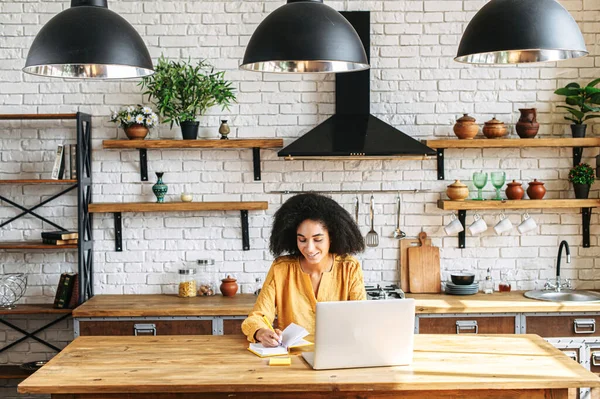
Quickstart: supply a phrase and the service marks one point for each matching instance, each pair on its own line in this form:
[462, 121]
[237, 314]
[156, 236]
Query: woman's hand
[268, 338]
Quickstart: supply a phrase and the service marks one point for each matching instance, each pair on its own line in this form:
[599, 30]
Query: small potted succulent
[582, 177]
[135, 120]
[182, 91]
[580, 101]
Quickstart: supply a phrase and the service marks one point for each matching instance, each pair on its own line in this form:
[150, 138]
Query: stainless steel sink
[564, 295]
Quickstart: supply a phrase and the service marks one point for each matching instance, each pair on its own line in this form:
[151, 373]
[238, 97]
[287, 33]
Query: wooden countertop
[241, 305]
[187, 364]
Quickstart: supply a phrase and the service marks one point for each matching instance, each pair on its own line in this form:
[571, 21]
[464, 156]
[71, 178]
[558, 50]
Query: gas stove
[377, 292]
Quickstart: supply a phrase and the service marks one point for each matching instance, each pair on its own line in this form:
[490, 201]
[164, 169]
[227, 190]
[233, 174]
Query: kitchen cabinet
[466, 324]
[146, 327]
[549, 326]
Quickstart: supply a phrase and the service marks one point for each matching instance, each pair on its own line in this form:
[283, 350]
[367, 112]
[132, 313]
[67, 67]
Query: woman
[318, 235]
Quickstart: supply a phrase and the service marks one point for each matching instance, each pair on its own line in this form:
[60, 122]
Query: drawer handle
[571, 354]
[144, 329]
[589, 326]
[595, 358]
[470, 325]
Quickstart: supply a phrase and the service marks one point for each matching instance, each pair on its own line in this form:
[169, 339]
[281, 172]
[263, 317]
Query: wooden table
[218, 367]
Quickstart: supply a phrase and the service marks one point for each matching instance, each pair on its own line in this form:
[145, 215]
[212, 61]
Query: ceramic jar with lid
[229, 286]
[457, 191]
[536, 190]
[494, 129]
[465, 127]
[514, 191]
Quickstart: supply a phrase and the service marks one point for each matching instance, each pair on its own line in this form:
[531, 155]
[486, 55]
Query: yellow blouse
[289, 292]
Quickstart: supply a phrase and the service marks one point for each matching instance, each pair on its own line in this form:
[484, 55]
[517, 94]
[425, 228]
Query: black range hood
[353, 132]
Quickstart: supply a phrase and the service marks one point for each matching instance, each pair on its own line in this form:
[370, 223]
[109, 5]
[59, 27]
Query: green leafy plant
[580, 101]
[135, 115]
[182, 91]
[582, 174]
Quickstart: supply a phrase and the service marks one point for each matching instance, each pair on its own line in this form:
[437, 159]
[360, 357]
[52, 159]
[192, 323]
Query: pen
[269, 325]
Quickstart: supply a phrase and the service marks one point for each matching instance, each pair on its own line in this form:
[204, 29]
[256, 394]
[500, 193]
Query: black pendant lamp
[521, 31]
[88, 41]
[305, 36]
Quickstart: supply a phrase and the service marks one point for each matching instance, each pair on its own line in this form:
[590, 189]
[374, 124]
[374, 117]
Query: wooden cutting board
[406, 243]
[424, 267]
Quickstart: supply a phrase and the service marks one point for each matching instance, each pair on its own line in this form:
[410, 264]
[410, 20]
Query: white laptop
[353, 334]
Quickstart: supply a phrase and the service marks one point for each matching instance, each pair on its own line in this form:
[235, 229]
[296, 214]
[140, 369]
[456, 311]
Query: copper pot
[514, 191]
[457, 191]
[229, 286]
[536, 190]
[494, 128]
[465, 127]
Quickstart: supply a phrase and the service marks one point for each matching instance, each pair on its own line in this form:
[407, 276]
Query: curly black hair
[344, 235]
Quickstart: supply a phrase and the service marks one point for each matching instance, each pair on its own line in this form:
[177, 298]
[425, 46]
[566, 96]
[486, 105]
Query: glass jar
[187, 283]
[208, 275]
[505, 277]
[488, 283]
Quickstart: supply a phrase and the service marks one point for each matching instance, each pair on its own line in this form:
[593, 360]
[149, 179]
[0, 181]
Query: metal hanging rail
[413, 191]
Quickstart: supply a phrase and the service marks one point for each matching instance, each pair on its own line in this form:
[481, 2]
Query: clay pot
[494, 129]
[457, 191]
[536, 190]
[229, 286]
[514, 191]
[527, 126]
[136, 132]
[465, 127]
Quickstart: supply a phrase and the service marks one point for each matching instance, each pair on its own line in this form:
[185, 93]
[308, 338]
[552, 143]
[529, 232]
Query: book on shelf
[74, 301]
[60, 235]
[58, 163]
[73, 161]
[51, 241]
[64, 290]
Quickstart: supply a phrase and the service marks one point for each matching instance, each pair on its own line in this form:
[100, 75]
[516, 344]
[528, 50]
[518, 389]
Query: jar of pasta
[187, 283]
[206, 282]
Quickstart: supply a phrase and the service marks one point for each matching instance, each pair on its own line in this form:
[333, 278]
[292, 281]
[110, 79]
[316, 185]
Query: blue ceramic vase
[160, 189]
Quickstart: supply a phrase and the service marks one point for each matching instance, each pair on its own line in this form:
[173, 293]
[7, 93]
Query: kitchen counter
[241, 305]
[444, 366]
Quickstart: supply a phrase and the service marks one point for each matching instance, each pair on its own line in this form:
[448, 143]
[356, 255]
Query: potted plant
[580, 101]
[582, 177]
[135, 120]
[182, 91]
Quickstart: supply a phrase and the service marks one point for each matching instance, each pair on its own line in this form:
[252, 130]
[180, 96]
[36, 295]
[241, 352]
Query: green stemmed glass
[479, 181]
[498, 179]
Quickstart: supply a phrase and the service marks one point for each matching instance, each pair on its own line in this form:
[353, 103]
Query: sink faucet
[558, 285]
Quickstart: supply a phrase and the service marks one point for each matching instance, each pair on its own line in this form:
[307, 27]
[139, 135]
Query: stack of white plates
[455, 289]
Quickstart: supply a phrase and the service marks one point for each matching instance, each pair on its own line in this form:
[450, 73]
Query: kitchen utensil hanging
[398, 234]
[356, 208]
[372, 238]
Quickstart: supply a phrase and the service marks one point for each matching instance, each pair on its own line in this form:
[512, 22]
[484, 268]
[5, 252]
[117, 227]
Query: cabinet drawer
[129, 327]
[232, 327]
[467, 325]
[595, 360]
[563, 326]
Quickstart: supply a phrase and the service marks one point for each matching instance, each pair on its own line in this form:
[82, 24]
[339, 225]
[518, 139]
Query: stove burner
[388, 292]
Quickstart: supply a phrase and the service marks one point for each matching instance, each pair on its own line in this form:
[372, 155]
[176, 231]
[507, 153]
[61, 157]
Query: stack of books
[67, 293]
[60, 237]
[65, 163]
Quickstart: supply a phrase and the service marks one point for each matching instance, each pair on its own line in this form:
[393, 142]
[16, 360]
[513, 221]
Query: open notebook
[292, 337]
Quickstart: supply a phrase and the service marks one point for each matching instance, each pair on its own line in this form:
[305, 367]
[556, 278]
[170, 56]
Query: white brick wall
[416, 86]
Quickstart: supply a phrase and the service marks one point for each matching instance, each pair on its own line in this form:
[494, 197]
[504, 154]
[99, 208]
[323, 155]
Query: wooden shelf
[176, 206]
[34, 245]
[117, 208]
[462, 207]
[38, 181]
[514, 143]
[34, 308]
[144, 145]
[520, 204]
[17, 117]
[11, 372]
[576, 143]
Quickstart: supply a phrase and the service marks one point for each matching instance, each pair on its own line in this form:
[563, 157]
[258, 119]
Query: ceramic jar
[229, 286]
[536, 190]
[457, 191]
[465, 127]
[494, 129]
[514, 191]
[527, 126]
[160, 189]
[136, 132]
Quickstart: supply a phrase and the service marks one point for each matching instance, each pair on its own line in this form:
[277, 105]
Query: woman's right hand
[268, 338]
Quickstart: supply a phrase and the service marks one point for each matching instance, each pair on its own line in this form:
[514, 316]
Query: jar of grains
[187, 283]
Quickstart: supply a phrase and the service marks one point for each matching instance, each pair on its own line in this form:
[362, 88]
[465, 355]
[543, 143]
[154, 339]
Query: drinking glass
[498, 179]
[479, 181]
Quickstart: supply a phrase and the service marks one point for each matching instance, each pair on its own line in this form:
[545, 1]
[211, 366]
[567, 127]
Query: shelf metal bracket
[586, 215]
[118, 232]
[245, 231]
[144, 164]
[577, 153]
[32, 335]
[440, 164]
[256, 162]
[462, 217]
